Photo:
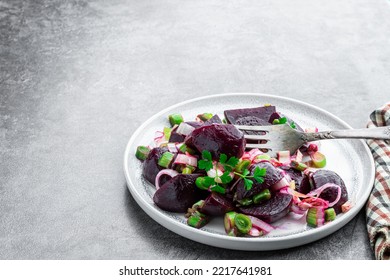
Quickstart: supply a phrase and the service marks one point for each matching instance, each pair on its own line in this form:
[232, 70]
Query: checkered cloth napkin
[378, 205]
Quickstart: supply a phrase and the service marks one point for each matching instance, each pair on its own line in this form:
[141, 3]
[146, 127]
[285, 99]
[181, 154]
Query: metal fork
[282, 137]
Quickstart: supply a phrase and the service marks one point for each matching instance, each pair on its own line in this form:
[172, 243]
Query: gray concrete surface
[78, 77]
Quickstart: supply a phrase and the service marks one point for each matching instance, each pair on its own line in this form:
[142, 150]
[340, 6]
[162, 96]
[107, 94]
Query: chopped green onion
[315, 217]
[187, 170]
[165, 159]
[263, 157]
[262, 196]
[242, 165]
[194, 208]
[197, 220]
[142, 152]
[242, 223]
[175, 119]
[245, 201]
[224, 121]
[298, 165]
[228, 222]
[205, 116]
[282, 120]
[201, 183]
[275, 121]
[319, 159]
[167, 132]
[330, 214]
[185, 149]
[293, 125]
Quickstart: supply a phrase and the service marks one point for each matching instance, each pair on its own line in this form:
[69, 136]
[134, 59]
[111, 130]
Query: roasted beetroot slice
[214, 119]
[150, 167]
[176, 137]
[321, 177]
[217, 205]
[250, 116]
[304, 187]
[178, 194]
[271, 210]
[272, 176]
[218, 139]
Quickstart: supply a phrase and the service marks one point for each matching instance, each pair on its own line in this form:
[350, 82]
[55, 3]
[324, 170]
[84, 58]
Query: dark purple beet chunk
[218, 139]
[214, 119]
[217, 205]
[272, 176]
[271, 210]
[178, 194]
[176, 137]
[294, 174]
[150, 167]
[250, 116]
[304, 187]
[322, 177]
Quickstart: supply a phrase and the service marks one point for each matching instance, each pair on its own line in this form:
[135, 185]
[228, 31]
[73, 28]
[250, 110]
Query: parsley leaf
[232, 162]
[258, 176]
[225, 178]
[222, 158]
[206, 155]
[248, 184]
[208, 181]
[245, 172]
[259, 172]
[206, 163]
[228, 165]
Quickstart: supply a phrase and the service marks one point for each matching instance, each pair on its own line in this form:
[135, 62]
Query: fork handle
[363, 133]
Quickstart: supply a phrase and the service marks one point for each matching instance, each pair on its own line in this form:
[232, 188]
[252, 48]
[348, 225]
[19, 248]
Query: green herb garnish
[258, 176]
[229, 165]
[206, 163]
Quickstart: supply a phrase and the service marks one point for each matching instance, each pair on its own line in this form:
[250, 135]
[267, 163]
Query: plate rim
[214, 239]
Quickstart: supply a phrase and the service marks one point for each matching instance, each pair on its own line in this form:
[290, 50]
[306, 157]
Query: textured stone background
[78, 77]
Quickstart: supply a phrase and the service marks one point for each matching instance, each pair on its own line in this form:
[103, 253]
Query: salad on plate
[201, 168]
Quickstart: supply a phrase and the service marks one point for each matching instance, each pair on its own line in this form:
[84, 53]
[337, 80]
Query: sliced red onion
[299, 156]
[172, 147]
[261, 225]
[186, 160]
[185, 129]
[317, 192]
[254, 232]
[316, 202]
[284, 157]
[282, 183]
[275, 162]
[251, 155]
[297, 210]
[159, 138]
[170, 172]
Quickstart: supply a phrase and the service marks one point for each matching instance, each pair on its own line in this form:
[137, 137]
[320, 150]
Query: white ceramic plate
[351, 159]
